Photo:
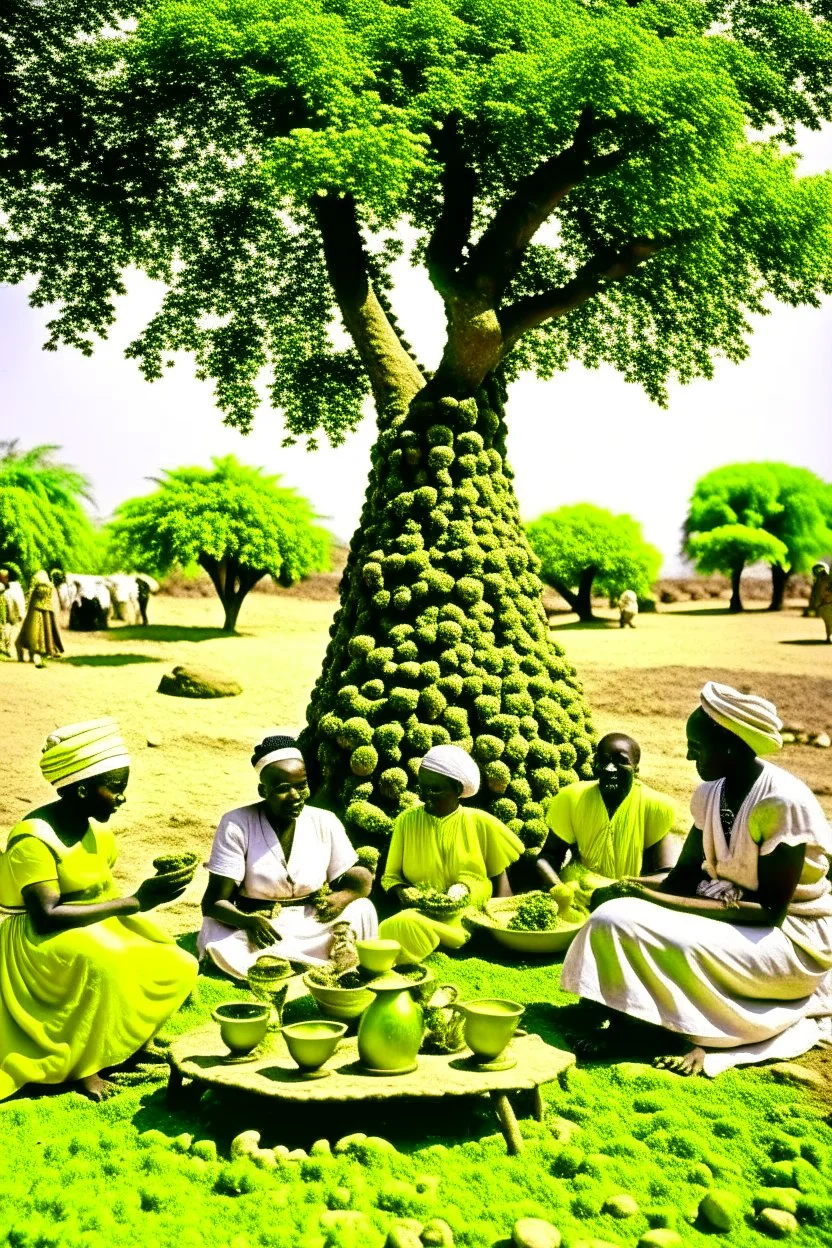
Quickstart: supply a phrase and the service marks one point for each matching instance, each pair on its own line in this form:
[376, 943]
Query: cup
[312, 1043]
[490, 1022]
[242, 1025]
[376, 955]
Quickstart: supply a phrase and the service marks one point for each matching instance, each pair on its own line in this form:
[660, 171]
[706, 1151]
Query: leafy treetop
[43, 523]
[582, 177]
[729, 548]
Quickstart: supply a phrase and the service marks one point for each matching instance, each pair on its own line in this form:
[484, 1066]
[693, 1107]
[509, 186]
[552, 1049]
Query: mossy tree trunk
[233, 582]
[779, 581]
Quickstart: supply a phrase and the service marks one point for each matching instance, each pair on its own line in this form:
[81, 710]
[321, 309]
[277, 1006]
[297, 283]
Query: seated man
[614, 824]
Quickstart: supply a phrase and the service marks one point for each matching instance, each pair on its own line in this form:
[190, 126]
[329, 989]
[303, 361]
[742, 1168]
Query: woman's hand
[260, 932]
[333, 904]
[157, 890]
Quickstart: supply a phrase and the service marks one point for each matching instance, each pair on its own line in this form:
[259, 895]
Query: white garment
[16, 602]
[751, 994]
[246, 850]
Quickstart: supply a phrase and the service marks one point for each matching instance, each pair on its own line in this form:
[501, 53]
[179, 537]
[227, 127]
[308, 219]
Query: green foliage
[587, 542]
[732, 546]
[235, 521]
[43, 523]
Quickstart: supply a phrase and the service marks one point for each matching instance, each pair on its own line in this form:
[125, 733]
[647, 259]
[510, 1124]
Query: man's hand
[260, 932]
[333, 904]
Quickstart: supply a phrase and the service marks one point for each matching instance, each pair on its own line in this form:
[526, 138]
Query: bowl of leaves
[435, 904]
[535, 922]
[173, 869]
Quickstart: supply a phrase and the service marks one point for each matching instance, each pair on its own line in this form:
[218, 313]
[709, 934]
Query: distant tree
[43, 523]
[730, 548]
[233, 520]
[585, 547]
[790, 503]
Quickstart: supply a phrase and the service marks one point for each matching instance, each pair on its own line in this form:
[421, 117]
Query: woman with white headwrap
[85, 980]
[268, 862]
[734, 949]
[454, 849]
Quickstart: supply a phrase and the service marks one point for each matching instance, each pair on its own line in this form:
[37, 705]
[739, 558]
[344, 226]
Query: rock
[198, 682]
[535, 1233]
[660, 1237]
[621, 1206]
[792, 1072]
[244, 1144]
[437, 1234]
[788, 737]
[404, 1233]
[347, 1141]
[785, 1198]
[321, 1148]
[777, 1222]
[153, 742]
[182, 1143]
[721, 1210]
[297, 1154]
[822, 740]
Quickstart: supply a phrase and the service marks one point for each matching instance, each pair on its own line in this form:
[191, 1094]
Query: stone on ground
[198, 682]
[535, 1233]
[660, 1237]
[437, 1234]
[621, 1206]
[777, 1222]
[721, 1210]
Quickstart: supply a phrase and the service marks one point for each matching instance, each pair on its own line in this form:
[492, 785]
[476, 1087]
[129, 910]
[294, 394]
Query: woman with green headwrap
[85, 979]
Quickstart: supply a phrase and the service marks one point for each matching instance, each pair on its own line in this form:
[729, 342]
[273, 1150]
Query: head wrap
[81, 751]
[820, 566]
[450, 760]
[286, 749]
[754, 720]
[41, 578]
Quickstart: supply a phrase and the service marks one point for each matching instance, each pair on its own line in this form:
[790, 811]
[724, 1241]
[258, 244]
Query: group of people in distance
[39, 635]
[731, 947]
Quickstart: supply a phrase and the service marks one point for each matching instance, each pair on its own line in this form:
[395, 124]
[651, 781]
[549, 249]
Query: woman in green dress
[85, 979]
[39, 633]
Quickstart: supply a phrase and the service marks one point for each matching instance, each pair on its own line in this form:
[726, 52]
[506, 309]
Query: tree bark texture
[233, 583]
[736, 597]
[779, 581]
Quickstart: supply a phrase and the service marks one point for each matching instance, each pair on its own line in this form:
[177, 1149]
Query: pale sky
[582, 437]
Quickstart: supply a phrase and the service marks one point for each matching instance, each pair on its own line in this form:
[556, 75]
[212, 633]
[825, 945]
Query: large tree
[236, 522]
[583, 547]
[792, 504]
[730, 548]
[43, 521]
[582, 181]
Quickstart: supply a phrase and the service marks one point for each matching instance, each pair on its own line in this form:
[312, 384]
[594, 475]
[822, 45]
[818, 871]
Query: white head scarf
[282, 753]
[753, 719]
[450, 760]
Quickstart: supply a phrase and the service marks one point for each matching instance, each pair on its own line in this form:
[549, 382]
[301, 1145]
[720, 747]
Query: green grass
[74, 1174]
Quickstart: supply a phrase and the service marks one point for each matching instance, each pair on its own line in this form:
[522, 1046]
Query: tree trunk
[441, 635]
[233, 583]
[584, 607]
[779, 581]
[736, 598]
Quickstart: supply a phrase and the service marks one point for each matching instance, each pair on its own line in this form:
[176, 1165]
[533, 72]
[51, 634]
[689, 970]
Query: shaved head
[620, 742]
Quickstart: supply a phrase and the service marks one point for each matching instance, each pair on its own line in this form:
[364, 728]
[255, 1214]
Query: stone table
[201, 1058]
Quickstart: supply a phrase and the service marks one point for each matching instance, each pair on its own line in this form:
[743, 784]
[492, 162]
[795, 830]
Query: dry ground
[644, 681]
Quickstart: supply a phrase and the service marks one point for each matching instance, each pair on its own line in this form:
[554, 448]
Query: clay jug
[392, 1026]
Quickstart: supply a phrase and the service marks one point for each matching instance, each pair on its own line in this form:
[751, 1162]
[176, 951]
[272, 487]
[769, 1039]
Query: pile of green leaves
[538, 912]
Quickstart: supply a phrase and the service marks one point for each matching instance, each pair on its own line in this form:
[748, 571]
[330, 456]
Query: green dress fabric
[610, 846]
[39, 632]
[74, 1002]
[467, 847]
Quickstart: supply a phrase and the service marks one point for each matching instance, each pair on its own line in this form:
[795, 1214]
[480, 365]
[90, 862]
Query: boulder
[777, 1222]
[822, 740]
[660, 1237]
[437, 1234]
[198, 682]
[720, 1210]
[535, 1233]
[621, 1206]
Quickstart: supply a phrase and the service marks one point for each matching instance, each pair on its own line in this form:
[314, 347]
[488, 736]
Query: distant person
[628, 609]
[5, 626]
[820, 599]
[143, 594]
[39, 633]
[16, 599]
[614, 825]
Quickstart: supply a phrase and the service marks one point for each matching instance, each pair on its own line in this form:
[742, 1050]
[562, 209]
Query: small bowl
[377, 956]
[339, 1003]
[312, 1043]
[242, 1024]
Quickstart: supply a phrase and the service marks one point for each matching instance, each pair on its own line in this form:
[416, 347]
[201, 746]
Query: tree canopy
[791, 503]
[236, 522]
[583, 547]
[43, 523]
[729, 548]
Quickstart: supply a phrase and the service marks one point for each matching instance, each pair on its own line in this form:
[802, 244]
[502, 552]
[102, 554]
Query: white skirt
[748, 992]
[301, 937]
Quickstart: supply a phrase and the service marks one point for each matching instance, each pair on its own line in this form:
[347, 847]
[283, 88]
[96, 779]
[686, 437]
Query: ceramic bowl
[313, 1042]
[490, 1022]
[496, 916]
[242, 1024]
[339, 1003]
[377, 956]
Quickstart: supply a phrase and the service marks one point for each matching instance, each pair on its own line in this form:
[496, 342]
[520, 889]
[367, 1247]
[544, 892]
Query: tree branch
[452, 231]
[609, 266]
[391, 371]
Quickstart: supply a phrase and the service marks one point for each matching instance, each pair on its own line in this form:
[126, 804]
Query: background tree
[43, 523]
[791, 503]
[582, 547]
[730, 548]
[234, 521]
[580, 183]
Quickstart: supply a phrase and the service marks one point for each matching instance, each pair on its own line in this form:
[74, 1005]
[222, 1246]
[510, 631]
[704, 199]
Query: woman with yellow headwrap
[85, 980]
[734, 949]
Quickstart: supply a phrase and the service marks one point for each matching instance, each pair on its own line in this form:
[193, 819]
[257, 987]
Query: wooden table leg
[174, 1088]
[508, 1123]
[538, 1108]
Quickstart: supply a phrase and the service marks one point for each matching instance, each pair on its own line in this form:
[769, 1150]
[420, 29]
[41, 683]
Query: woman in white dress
[734, 949]
[267, 863]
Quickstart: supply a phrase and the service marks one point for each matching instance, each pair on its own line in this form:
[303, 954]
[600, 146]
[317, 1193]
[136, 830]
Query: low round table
[200, 1057]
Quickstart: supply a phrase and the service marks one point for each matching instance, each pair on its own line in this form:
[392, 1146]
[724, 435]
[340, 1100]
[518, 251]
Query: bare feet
[692, 1063]
[96, 1088]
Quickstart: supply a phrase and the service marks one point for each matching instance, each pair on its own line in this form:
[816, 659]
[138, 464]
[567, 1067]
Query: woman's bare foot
[691, 1063]
[96, 1088]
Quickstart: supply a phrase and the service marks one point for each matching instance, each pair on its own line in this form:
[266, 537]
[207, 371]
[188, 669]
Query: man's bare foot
[691, 1063]
[96, 1088]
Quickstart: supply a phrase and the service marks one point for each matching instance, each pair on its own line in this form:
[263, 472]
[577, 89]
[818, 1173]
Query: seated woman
[615, 825]
[734, 949]
[444, 845]
[267, 863]
[86, 981]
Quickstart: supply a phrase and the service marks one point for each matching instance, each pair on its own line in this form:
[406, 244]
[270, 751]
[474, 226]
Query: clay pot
[313, 1042]
[392, 1026]
[242, 1024]
[489, 1025]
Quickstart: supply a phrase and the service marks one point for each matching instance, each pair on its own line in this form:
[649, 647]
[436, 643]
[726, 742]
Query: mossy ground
[75, 1174]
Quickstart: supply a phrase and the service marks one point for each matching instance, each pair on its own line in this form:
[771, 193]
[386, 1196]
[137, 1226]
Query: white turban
[450, 760]
[754, 720]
